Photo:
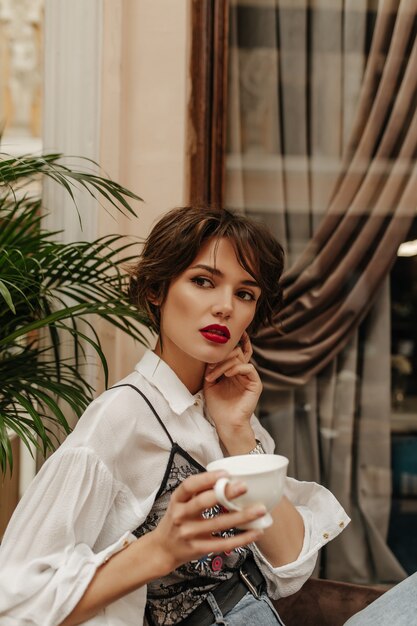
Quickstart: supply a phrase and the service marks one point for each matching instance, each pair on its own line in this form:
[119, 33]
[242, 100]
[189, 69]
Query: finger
[226, 521]
[219, 370]
[227, 544]
[196, 484]
[247, 370]
[235, 488]
[236, 353]
[246, 347]
[194, 508]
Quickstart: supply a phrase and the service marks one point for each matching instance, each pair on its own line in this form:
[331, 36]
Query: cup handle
[219, 490]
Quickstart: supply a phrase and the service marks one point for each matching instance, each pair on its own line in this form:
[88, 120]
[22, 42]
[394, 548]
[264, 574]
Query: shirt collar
[161, 376]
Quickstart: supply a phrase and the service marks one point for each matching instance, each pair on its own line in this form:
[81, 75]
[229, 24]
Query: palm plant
[48, 292]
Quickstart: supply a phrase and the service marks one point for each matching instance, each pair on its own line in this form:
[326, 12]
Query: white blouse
[100, 485]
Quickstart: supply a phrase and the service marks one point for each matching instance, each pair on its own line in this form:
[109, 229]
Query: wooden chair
[325, 603]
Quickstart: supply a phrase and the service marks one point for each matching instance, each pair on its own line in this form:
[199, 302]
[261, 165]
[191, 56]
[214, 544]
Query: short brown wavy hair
[175, 241]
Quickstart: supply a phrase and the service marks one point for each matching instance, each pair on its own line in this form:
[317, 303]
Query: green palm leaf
[54, 288]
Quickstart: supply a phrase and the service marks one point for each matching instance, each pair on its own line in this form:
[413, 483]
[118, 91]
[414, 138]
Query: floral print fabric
[172, 598]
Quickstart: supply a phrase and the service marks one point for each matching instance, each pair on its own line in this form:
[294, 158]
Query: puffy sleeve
[47, 558]
[324, 518]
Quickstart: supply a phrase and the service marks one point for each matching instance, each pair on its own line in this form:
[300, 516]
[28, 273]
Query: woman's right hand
[183, 534]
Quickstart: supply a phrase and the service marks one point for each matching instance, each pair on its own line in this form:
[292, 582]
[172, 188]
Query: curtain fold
[322, 144]
[332, 284]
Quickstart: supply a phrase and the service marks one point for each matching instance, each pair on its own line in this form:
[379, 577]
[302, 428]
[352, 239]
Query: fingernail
[239, 487]
[220, 473]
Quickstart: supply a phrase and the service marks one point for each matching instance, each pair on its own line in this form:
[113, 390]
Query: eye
[200, 281]
[246, 295]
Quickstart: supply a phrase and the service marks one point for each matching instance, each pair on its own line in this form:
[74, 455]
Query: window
[293, 122]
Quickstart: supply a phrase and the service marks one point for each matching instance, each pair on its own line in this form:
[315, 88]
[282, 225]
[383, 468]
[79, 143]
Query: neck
[190, 371]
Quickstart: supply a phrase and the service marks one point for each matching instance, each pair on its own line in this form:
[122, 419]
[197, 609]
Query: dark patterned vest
[172, 598]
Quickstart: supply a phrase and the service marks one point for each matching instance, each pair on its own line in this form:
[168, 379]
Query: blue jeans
[396, 607]
[248, 611]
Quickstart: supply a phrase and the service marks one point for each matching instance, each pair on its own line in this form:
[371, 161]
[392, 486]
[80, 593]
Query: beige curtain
[322, 140]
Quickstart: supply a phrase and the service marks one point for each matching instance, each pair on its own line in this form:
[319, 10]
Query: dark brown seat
[325, 603]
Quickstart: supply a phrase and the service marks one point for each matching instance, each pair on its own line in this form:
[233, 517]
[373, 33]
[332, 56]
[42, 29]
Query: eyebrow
[216, 272]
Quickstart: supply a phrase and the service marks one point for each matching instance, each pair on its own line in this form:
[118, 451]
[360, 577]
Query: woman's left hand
[232, 389]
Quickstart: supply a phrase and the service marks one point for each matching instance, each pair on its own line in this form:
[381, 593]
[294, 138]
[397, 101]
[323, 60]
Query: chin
[216, 354]
[209, 354]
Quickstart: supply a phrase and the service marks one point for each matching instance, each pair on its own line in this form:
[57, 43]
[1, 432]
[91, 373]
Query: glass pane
[21, 74]
[402, 534]
[308, 96]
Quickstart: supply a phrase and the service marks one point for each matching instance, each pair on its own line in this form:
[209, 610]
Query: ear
[154, 298]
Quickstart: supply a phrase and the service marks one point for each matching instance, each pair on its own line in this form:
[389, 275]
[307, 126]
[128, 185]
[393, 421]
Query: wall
[115, 90]
[144, 105]
[116, 82]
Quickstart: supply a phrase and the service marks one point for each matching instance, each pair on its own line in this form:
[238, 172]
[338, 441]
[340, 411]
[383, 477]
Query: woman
[123, 517]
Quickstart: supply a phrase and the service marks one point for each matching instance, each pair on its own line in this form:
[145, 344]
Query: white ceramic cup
[264, 476]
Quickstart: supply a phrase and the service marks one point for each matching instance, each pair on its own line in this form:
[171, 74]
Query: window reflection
[314, 135]
[402, 534]
[21, 68]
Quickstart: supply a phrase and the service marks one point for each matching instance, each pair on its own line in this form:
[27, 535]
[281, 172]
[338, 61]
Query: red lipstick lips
[216, 333]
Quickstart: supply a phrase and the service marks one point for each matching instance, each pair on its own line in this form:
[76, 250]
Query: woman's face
[208, 307]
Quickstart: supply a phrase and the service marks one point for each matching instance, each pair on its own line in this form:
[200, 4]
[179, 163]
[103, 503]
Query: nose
[223, 307]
